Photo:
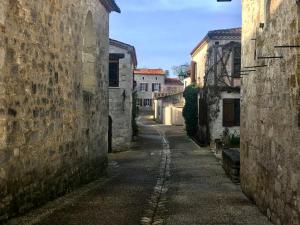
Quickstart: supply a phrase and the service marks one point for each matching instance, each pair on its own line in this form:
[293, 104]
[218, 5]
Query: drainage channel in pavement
[156, 209]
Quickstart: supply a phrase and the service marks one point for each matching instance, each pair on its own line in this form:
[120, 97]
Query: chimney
[193, 72]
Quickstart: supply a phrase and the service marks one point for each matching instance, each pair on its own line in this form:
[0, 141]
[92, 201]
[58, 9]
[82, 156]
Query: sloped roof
[219, 34]
[111, 5]
[127, 47]
[150, 72]
[173, 81]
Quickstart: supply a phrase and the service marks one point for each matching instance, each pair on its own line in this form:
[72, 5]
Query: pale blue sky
[164, 32]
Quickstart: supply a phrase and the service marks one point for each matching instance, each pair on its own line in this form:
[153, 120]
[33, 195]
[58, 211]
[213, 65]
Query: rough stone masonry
[270, 129]
[121, 95]
[53, 98]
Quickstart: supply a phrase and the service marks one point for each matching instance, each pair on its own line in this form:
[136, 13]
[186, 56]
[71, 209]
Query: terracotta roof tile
[219, 34]
[150, 72]
[173, 81]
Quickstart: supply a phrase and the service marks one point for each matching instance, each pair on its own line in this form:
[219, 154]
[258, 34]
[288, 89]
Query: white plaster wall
[167, 117]
[216, 126]
[158, 106]
[177, 118]
[200, 58]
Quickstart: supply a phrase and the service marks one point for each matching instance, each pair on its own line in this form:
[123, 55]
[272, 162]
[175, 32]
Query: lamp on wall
[181, 75]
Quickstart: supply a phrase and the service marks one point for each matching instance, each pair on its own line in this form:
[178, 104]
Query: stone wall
[270, 128]
[120, 108]
[53, 99]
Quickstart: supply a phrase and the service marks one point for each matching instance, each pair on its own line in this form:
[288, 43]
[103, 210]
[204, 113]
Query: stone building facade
[53, 98]
[123, 61]
[216, 64]
[270, 129]
[148, 82]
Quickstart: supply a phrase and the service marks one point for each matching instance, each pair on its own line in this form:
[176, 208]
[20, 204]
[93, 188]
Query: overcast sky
[164, 32]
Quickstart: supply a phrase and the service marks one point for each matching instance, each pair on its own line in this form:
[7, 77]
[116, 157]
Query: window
[144, 87]
[147, 102]
[231, 112]
[156, 87]
[236, 62]
[139, 102]
[217, 43]
[114, 73]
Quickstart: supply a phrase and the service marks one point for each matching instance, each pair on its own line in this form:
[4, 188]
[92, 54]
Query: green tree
[181, 69]
[190, 110]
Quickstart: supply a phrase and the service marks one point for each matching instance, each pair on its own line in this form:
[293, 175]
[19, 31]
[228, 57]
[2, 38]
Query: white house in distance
[148, 82]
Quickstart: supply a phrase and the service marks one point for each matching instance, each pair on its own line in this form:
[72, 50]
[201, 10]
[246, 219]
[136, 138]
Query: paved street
[165, 179]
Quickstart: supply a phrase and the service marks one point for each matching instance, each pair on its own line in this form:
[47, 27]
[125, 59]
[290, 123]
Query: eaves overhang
[111, 6]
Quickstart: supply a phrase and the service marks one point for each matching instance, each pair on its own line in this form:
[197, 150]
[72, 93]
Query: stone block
[231, 164]
[2, 57]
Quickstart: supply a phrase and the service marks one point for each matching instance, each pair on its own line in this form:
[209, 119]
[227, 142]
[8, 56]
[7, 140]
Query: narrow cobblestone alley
[165, 179]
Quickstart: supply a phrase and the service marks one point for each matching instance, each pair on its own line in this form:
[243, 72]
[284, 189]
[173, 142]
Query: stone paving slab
[166, 179]
[200, 192]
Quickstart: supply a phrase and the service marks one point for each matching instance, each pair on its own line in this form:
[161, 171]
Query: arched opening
[89, 55]
[267, 10]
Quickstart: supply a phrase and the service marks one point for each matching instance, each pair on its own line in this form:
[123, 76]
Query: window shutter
[237, 112]
[159, 87]
[146, 87]
[153, 87]
[228, 112]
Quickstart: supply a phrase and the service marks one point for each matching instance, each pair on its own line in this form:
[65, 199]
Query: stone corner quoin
[53, 98]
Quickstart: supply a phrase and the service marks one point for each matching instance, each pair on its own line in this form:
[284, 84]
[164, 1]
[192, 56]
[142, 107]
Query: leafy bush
[190, 110]
[230, 140]
[234, 141]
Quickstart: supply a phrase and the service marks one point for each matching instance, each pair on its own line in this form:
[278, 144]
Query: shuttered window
[147, 102]
[231, 112]
[156, 87]
[114, 73]
[144, 87]
[237, 62]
